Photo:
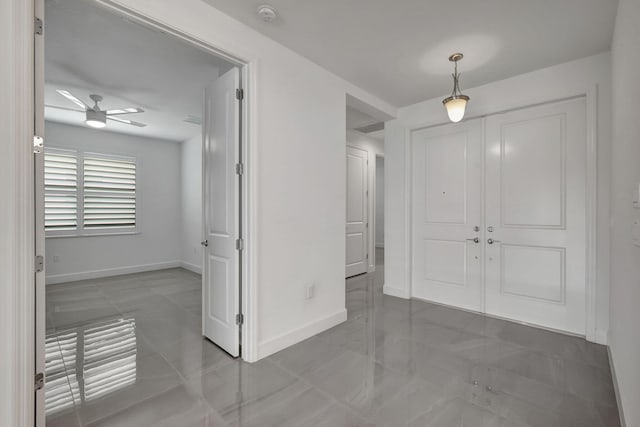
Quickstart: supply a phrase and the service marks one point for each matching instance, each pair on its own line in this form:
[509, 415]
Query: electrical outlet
[56, 258]
[309, 290]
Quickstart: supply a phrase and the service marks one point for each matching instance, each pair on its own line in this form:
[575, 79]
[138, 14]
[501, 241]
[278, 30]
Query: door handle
[474, 240]
[491, 241]
[205, 243]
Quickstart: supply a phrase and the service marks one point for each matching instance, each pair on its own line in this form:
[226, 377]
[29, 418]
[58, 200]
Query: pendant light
[457, 102]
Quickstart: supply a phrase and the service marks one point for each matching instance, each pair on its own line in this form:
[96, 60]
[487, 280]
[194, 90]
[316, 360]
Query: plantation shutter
[110, 353]
[109, 192]
[60, 190]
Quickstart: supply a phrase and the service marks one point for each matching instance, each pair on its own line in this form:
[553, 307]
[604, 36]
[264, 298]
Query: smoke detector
[267, 13]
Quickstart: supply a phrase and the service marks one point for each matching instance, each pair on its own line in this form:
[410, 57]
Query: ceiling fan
[95, 116]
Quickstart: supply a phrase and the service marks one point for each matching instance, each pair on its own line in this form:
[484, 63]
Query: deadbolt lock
[490, 229]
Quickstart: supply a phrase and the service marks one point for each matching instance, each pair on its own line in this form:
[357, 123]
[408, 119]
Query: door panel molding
[505, 283]
[532, 163]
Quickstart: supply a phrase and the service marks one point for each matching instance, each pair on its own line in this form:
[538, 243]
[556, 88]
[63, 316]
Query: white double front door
[498, 216]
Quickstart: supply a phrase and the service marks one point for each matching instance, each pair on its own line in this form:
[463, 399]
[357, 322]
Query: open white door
[357, 207]
[40, 293]
[221, 198]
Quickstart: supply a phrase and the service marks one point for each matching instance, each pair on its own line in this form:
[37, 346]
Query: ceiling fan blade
[125, 121]
[124, 111]
[73, 99]
[64, 108]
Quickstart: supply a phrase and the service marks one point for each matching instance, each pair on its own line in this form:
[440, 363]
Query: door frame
[374, 214]
[17, 273]
[248, 188]
[590, 94]
[248, 218]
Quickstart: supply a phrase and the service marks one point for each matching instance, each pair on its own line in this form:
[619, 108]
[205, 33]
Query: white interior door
[40, 292]
[221, 145]
[357, 208]
[535, 190]
[447, 195]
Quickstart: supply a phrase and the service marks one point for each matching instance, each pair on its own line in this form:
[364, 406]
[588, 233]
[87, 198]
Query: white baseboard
[396, 292]
[602, 337]
[191, 267]
[616, 389]
[274, 345]
[108, 272]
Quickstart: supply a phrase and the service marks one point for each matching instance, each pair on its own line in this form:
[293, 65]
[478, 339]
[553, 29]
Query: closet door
[535, 215]
[447, 195]
[357, 210]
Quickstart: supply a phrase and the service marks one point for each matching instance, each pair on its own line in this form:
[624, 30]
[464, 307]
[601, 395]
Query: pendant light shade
[455, 104]
[456, 107]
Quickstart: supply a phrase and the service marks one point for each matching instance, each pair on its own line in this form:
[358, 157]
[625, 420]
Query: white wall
[379, 238]
[191, 203]
[158, 209]
[373, 147]
[296, 175]
[625, 257]
[557, 82]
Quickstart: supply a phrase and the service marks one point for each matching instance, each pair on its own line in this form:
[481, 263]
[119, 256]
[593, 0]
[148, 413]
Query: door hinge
[39, 263]
[38, 144]
[239, 168]
[239, 319]
[367, 225]
[239, 244]
[240, 94]
[367, 256]
[38, 381]
[38, 26]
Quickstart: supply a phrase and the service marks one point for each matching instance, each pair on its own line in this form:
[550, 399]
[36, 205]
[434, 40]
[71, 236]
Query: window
[60, 190]
[89, 193]
[109, 192]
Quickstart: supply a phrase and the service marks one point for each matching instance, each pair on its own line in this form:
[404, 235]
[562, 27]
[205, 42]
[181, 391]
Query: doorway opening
[365, 212]
[140, 204]
[365, 142]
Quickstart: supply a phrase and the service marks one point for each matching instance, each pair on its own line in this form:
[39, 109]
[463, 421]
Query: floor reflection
[88, 362]
[128, 351]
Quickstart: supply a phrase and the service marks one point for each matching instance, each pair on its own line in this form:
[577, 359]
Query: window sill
[114, 233]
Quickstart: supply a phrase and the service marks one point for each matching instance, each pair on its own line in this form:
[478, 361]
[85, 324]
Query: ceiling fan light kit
[456, 104]
[97, 117]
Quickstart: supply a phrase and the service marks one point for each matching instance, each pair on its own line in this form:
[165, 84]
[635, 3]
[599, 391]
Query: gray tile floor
[127, 351]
